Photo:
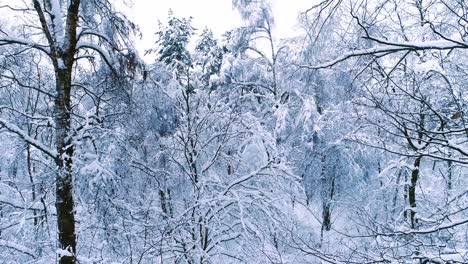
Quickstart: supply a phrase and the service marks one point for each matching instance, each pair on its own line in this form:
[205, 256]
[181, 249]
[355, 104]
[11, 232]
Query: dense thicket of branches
[347, 144]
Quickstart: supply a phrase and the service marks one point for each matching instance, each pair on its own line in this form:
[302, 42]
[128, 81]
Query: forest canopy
[346, 143]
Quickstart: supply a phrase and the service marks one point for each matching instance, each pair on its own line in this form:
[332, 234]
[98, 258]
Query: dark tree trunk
[412, 191]
[64, 178]
[326, 217]
[450, 175]
[326, 206]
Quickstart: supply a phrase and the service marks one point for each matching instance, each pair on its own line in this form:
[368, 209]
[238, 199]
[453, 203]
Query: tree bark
[63, 65]
[412, 191]
[31, 180]
[326, 206]
[64, 177]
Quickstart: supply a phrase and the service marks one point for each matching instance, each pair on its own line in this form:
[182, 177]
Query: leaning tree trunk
[64, 177]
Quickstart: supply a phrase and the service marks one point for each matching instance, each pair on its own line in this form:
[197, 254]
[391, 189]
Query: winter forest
[347, 143]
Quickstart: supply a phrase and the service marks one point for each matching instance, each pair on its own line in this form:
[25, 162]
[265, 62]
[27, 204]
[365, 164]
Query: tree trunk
[450, 175]
[31, 180]
[412, 190]
[326, 216]
[326, 206]
[64, 177]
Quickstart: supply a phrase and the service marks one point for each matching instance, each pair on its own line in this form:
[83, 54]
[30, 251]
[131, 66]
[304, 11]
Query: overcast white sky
[215, 14]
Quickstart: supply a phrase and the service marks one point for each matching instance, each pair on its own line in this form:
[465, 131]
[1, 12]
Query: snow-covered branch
[245, 178]
[17, 247]
[24, 42]
[102, 53]
[31, 141]
[391, 47]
